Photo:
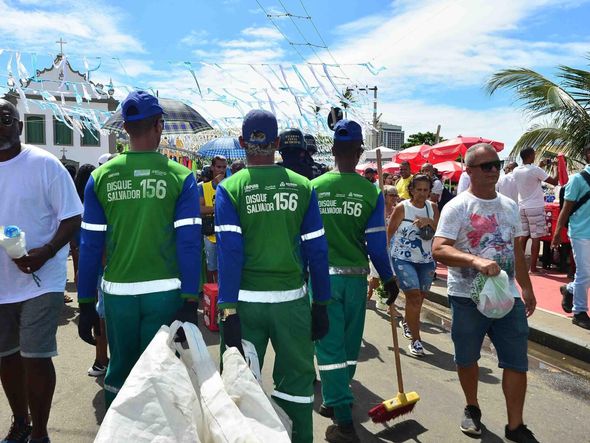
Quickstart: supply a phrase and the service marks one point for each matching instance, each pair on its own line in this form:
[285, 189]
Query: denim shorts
[30, 326]
[210, 254]
[413, 275]
[509, 334]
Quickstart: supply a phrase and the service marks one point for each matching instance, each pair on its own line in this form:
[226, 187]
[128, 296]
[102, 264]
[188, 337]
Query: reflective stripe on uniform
[377, 229]
[140, 287]
[93, 227]
[111, 389]
[292, 398]
[187, 222]
[271, 296]
[332, 366]
[348, 270]
[351, 363]
[312, 235]
[228, 228]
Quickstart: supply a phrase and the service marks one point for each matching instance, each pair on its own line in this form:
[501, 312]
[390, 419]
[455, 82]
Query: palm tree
[562, 108]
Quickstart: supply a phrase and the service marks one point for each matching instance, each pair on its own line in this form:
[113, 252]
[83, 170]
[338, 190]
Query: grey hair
[264, 149]
[472, 152]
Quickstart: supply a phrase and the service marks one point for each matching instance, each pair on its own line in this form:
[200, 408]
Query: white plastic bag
[253, 402]
[224, 423]
[492, 295]
[157, 402]
[167, 399]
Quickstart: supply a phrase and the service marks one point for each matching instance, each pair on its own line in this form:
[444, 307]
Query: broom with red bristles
[403, 402]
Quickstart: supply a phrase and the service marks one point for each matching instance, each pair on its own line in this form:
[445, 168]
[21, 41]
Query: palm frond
[548, 140]
[538, 95]
[577, 81]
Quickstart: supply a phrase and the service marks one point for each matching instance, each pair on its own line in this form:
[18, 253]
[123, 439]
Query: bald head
[473, 153]
[8, 108]
[10, 130]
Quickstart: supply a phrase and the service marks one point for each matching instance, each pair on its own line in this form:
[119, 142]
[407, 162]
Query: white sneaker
[405, 329]
[97, 370]
[416, 348]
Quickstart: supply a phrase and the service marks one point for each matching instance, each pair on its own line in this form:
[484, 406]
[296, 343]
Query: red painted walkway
[546, 288]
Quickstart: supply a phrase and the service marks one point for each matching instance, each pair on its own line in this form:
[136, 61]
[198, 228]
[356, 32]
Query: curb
[547, 336]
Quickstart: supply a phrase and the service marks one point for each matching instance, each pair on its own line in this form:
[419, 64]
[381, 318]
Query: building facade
[390, 136]
[61, 111]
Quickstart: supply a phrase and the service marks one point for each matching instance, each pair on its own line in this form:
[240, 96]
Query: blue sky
[437, 54]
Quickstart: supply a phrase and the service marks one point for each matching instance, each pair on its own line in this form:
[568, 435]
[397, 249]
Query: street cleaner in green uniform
[266, 217]
[144, 210]
[353, 214]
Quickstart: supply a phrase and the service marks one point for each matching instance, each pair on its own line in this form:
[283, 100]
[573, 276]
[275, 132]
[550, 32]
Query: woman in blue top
[412, 253]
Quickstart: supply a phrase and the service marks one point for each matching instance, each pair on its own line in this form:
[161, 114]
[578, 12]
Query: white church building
[60, 90]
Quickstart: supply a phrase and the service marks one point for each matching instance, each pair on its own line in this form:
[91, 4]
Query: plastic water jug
[12, 239]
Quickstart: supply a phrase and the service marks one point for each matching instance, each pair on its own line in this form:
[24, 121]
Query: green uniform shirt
[347, 201]
[138, 192]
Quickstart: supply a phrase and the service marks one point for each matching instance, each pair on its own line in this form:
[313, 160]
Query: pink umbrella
[415, 155]
[450, 170]
[458, 146]
[390, 167]
[361, 168]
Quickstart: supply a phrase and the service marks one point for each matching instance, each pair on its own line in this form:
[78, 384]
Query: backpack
[585, 197]
[445, 197]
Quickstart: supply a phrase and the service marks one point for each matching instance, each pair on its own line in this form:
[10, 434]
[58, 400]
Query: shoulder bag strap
[585, 197]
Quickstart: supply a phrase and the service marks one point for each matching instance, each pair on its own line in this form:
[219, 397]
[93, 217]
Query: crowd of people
[294, 248]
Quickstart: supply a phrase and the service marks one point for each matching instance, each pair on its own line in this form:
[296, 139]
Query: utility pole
[375, 134]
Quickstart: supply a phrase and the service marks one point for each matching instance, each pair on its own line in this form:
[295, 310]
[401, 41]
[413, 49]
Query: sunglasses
[7, 120]
[487, 166]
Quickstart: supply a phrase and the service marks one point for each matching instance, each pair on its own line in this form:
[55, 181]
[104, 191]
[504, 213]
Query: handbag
[425, 232]
[207, 225]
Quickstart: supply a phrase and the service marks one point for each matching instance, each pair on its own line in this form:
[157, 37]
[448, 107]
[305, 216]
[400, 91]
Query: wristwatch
[224, 313]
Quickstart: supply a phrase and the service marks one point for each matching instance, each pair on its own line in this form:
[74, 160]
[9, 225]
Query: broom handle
[398, 364]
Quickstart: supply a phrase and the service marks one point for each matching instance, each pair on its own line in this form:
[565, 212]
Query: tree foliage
[421, 138]
[560, 109]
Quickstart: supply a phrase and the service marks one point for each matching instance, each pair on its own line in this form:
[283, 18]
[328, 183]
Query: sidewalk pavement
[549, 325]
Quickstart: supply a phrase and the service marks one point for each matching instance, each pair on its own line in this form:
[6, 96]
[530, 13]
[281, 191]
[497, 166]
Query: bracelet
[52, 249]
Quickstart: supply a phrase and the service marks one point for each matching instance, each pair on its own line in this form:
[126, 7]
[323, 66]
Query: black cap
[310, 144]
[291, 138]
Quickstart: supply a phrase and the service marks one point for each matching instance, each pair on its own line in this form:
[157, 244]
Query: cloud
[262, 32]
[195, 37]
[450, 43]
[245, 43]
[88, 27]
[504, 124]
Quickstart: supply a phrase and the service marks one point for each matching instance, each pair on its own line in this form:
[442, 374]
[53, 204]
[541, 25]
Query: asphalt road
[557, 407]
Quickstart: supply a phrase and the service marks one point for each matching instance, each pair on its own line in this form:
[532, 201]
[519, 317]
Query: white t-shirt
[528, 180]
[37, 193]
[407, 244]
[507, 186]
[485, 228]
[464, 182]
[437, 188]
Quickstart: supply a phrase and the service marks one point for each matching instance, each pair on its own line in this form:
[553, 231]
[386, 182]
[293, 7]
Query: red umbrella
[390, 167]
[415, 155]
[455, 147]
[562, 169]
[450, 170]
[361, 168]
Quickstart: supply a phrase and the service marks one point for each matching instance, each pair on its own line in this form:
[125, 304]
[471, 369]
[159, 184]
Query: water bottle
[12, 239]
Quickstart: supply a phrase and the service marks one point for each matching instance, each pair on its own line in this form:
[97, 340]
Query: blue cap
[140, 105]
[348, 131]
[259, 120]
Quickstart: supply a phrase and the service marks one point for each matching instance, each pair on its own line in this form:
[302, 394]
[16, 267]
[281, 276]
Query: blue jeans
[413, 275]
[509, 334]
[579, 287]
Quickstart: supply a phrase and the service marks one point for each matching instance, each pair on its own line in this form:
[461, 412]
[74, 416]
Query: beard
[8, 142]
